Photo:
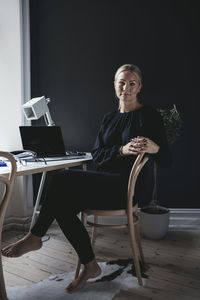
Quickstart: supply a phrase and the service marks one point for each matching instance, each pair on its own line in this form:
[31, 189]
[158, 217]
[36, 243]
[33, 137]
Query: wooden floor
[174, 262]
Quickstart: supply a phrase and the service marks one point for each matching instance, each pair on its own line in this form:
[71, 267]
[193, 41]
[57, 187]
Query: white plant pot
[154, 226]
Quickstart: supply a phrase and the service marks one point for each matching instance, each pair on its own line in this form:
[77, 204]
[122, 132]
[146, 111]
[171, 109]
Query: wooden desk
[41, 167]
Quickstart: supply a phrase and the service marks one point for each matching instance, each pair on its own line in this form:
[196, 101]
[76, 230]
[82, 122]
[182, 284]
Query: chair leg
[93, 234]
[135, 254]
[84, 220]
[3, 295]
[137, 234]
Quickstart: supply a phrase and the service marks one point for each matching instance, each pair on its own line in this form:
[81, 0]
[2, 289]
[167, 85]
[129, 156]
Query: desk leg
[84, 167]
[37, 203]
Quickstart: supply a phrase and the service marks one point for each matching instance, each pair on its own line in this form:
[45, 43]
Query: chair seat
[109, 213]
[101, 212]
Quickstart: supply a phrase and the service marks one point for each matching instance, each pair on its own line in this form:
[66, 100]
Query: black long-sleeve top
[117, 129]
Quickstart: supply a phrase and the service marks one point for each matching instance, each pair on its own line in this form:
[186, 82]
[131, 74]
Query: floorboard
[174, 262]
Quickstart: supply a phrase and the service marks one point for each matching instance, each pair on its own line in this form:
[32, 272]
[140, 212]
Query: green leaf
[173, 123]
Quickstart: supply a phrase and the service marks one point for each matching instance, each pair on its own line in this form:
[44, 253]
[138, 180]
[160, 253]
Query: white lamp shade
[35, 108]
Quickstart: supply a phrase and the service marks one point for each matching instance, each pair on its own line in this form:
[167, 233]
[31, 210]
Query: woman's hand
[134, 147]
[139, 145]
[147, 145]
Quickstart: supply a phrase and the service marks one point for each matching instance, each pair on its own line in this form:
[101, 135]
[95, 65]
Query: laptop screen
[46, 141]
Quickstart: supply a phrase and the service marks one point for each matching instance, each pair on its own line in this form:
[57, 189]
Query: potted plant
[154, 219]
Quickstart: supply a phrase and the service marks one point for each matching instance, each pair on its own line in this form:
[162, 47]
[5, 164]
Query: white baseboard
[180, 219]
[184, 218]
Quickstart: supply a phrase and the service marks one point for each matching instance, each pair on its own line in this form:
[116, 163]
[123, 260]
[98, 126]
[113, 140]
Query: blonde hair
[131, 68]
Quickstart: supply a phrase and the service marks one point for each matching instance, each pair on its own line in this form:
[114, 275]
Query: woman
[123, 134]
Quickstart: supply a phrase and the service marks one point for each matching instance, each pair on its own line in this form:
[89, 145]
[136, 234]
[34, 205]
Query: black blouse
[117, 129]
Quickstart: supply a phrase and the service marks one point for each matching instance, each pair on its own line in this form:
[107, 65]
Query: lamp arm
[47, 115]
[48, 119]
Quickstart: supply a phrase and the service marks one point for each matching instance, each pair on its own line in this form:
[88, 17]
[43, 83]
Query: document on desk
[58, 158]
[66, 157]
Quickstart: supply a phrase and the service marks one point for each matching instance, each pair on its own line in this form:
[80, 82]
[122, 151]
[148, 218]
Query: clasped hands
[139, 145]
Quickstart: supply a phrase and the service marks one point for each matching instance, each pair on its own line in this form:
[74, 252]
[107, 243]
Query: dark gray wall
[76, 47]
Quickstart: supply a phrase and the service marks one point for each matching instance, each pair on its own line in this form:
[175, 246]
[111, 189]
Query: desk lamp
[33, 110]
[36, 108]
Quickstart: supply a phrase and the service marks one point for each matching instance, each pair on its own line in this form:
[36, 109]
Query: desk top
[39, 167]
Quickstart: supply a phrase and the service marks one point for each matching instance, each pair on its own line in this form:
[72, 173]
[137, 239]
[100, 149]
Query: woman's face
[127, 86]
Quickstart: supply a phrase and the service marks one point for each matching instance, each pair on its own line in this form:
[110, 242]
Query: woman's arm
[155, 144]
[104, 154]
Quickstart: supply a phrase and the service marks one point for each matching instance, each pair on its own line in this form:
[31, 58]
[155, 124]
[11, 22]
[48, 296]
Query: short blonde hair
[131, 68]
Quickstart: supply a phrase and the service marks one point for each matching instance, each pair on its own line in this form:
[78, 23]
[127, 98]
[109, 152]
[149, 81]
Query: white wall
[10, 74]
[14, 90]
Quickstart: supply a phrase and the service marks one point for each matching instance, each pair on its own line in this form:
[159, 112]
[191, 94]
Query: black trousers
[72, 191]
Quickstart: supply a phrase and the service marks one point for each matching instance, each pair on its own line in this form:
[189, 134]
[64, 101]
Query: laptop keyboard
[76, 153]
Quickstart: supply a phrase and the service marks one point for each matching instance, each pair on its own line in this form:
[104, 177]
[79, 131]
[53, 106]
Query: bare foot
[90, 270]
[28, 243]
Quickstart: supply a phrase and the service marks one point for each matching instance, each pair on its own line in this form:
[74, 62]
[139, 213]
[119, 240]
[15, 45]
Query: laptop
[47, 142]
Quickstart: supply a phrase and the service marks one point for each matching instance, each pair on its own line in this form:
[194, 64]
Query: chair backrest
[8, 182]
[137, 167]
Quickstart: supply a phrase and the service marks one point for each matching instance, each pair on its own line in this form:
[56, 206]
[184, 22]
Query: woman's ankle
[33, 236]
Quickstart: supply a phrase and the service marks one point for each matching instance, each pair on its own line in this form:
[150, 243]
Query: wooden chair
[8, 182]
[130, 212]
